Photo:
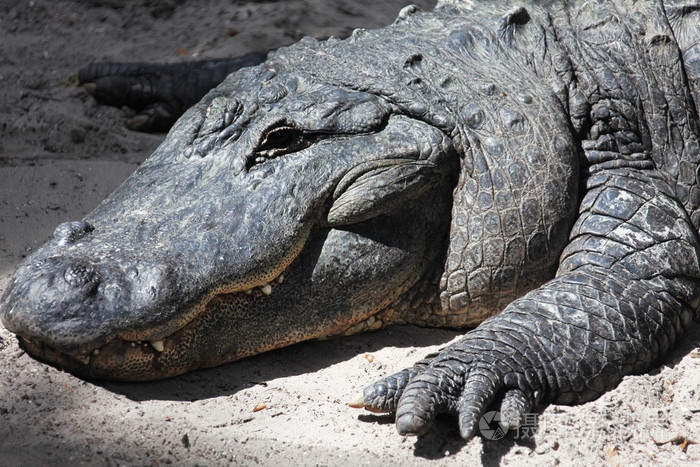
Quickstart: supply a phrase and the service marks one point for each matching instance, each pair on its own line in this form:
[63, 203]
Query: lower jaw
[124, 359]
[191, 347]
[116, 361]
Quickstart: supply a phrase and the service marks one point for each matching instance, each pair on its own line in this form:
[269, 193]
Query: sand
[60, 154]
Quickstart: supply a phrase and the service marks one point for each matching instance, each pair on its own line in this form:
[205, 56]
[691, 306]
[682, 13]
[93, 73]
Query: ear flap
[368, 192]
[684, 18]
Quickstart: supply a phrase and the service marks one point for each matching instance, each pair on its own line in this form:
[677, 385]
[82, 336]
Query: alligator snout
[76, 273]
[77, 290]
[80, 274]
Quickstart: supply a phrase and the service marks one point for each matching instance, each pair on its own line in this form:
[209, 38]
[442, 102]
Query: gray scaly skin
[627, 282]
[563, 137]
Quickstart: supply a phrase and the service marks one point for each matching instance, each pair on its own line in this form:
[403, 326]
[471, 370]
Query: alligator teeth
[249, 291]
[280, 279]
[133, 344]
[86, 360]
[158, 345]
[266, 289]
[96, 352]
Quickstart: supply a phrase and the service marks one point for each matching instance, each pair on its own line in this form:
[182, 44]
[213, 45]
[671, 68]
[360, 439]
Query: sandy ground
[60, 154]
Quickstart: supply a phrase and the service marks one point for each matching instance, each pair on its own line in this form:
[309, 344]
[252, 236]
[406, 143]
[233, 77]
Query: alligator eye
[281, 138]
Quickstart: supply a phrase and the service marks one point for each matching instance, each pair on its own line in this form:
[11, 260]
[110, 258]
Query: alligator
[528, 170]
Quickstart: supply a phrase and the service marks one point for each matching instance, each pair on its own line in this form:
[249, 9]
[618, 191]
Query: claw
[90, 87]
[383, 396]
[357, 402]
[138, 122]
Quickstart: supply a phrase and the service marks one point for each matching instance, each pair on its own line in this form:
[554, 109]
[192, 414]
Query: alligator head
[302, 199]
[279, 209]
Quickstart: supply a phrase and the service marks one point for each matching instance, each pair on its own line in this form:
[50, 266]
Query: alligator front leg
[160, 93]
[627, 287]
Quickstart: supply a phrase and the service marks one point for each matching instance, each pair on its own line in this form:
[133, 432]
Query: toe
[514, 406]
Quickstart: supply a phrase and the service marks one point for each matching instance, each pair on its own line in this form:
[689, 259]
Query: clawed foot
[460, 382]
[148, 89]
[160, 93]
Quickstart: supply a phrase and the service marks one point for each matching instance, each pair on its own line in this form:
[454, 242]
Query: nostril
[71, 232]
[78, 275]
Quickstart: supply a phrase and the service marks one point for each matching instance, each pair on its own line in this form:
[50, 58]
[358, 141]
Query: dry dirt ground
[60, 154]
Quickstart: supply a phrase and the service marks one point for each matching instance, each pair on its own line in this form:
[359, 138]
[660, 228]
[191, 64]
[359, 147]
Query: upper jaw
[75, 302]
[132, 355]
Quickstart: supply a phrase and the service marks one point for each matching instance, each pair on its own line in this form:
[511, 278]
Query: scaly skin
[575, 210]
[628, 282]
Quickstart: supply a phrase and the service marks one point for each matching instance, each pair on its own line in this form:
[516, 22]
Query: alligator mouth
[126, 359]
